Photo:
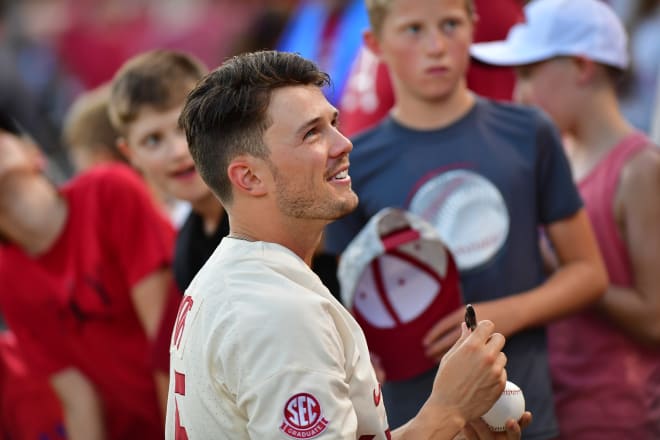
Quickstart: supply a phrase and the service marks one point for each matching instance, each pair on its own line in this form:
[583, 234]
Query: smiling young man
[261, 349]
[488, 176]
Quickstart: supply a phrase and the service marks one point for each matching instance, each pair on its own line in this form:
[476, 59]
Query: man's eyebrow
[307, 125]
[314, 121]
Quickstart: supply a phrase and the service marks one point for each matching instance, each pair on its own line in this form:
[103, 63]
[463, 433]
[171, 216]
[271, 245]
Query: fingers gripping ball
[510, 405]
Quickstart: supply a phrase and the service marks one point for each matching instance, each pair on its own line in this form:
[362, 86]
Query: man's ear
[371, 42]
[245, 175]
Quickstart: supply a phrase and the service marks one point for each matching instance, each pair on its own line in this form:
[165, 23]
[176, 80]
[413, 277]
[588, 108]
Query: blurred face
[426, 44]
[157, 147]
[308, 156]
[548, 85]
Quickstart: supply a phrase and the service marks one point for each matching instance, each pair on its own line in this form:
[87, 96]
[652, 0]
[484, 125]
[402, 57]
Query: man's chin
[347, 208]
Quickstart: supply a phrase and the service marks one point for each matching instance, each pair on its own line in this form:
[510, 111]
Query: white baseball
[510, 405]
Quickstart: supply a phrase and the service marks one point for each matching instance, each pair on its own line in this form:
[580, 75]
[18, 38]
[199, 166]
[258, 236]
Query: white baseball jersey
[262, 350]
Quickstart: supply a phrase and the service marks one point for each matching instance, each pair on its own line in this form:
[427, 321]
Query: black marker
[470, 317]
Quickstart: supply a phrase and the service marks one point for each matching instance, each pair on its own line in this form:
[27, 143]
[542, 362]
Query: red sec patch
[303, 417]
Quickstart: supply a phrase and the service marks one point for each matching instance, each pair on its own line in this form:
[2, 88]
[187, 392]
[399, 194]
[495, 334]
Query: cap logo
[303, 417]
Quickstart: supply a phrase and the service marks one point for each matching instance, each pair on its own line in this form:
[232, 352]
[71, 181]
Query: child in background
[147, 96]
[88, 133]
[487, 175]
[605, 361]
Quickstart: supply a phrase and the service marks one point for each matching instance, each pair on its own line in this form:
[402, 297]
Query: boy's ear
[587, 69]
[244, 174]
[124, 149]
[371, 42]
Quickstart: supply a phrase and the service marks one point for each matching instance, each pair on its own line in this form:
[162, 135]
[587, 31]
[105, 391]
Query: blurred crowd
[53, 50]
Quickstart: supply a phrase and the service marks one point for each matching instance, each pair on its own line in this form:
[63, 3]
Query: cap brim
[502, 53]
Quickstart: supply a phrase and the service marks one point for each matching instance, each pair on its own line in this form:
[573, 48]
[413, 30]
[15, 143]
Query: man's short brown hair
[226, 114]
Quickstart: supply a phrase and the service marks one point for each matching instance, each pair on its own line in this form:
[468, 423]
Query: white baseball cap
[587, 28]
[398, 279]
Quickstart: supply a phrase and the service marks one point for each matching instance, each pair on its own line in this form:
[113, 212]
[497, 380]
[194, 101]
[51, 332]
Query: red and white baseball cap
[588, 28]
[398, 279]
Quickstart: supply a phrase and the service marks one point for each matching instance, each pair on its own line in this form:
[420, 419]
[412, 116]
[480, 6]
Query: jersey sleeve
[558, 196]
[298, 387]
[141, 238]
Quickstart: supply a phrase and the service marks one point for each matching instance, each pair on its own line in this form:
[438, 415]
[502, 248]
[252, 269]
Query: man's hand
[478, 429]
[471, 376]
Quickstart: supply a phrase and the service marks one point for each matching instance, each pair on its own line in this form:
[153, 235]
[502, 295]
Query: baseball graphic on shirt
[510, 405]
[468, 212]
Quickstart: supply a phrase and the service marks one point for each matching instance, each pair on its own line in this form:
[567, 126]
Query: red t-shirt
[368, 95]
[29, 409]
[72, 306]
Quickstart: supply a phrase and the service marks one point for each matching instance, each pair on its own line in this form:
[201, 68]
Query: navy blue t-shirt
[488, 182]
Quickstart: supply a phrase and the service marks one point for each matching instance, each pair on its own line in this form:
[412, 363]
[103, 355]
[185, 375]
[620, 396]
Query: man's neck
[302, 237]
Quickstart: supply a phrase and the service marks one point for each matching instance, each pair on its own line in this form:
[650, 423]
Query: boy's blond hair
[87, 125]
[378, 10]
[160, 79]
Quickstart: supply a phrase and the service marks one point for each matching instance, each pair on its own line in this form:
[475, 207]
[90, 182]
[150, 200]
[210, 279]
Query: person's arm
[579, 281]
[636, 309]
[471, 377]
[83, 415]
[149, 297]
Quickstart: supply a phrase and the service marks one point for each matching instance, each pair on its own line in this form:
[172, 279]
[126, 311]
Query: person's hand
[443, 334]
[471, 376]
[478, 429]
